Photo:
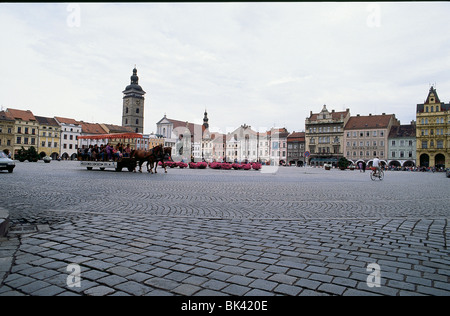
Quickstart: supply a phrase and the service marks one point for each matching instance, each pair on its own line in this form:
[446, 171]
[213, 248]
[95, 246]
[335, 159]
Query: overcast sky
[262, 64]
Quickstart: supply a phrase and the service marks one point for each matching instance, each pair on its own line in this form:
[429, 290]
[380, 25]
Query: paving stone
[133, 288]
[186, 289]
[99, 291]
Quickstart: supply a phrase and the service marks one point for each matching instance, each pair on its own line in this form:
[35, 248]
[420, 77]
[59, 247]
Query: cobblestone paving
[299, 231]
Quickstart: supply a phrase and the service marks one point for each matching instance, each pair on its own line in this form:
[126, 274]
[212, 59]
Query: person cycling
[376, 165]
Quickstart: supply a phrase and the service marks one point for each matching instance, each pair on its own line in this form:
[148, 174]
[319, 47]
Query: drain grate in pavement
[20, 229]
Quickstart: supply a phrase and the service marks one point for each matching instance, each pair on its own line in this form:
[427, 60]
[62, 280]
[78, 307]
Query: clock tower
[133, 105]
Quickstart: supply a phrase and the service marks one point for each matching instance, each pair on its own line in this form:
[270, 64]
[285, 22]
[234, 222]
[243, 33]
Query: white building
[70, 130]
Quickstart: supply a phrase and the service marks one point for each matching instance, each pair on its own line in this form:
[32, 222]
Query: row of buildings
[327, 136]
[57, 137]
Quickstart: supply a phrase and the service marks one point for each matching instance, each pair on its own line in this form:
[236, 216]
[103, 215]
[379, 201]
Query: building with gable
[324, 136]
[433, 132]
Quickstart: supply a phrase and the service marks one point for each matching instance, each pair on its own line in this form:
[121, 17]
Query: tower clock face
[138, 102]
[127, 101]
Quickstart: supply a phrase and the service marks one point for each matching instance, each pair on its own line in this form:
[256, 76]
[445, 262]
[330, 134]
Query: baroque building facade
[433, 132]
[324, 136]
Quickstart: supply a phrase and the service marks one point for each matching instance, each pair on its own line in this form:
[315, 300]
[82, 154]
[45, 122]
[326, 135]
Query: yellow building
[26, 129]
[6, 132]
[49, 137]
[433, 133]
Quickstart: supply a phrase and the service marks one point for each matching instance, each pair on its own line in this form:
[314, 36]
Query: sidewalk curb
[4, 222]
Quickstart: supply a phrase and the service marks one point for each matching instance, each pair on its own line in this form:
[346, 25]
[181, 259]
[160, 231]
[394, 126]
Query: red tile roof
[64, 120]
[5, 116]
[91, 128]
[296, 137]
[21, 115]
[369, 122]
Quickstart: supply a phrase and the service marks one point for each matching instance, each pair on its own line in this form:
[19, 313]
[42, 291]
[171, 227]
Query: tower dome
[134, 82]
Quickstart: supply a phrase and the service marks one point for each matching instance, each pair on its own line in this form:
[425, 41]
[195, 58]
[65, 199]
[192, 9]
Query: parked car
[6, 163]
[47, 159]
[448, 173]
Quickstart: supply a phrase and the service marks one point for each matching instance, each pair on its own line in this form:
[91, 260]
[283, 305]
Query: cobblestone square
[298, 231]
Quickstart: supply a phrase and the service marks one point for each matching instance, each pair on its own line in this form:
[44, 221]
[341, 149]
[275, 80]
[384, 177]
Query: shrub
[202, 165]
[193, 165]
[343, 163]
[225, 166]
[181, 165]
[247, 166]
[256, 166]
[170, 164]
[236, 166]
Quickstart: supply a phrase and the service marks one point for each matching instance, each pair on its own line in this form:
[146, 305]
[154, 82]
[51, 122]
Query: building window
[424, 144]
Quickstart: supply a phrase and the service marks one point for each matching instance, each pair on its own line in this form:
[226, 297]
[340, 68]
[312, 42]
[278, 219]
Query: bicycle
[377, 174]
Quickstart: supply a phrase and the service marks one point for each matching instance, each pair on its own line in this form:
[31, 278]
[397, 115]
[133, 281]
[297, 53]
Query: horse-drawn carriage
[123, 160]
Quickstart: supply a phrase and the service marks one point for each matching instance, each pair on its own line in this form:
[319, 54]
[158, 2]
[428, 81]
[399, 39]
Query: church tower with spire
[205, 120]
[133, 105]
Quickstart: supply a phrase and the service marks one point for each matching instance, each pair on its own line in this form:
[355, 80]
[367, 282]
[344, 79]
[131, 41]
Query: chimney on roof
[357, 115]
[384, 114]
[370, 114]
